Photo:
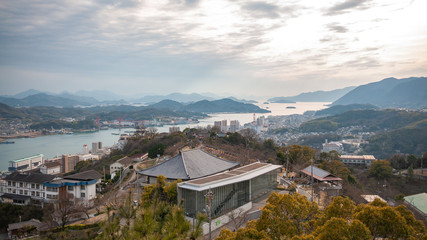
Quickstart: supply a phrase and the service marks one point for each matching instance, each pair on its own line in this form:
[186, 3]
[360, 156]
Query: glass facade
[229, 197]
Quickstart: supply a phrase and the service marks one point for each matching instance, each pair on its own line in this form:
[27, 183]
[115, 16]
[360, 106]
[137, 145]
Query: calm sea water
[54, 145]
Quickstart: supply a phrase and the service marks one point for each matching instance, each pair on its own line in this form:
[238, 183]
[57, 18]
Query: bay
[56, 145]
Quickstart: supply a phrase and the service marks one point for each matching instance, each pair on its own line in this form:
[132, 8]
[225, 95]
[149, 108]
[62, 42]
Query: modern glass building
[231, 189]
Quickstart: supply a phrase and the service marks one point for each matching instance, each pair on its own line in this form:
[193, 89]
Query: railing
[218, 209]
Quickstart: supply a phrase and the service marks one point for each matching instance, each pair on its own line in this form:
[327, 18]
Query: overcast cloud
[241, 48]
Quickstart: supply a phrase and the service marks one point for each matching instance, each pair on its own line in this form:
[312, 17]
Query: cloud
[334, 27]
[346, 6]
[262, 9]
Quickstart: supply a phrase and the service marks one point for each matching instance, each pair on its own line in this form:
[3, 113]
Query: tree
[158, 149]
[336, 167]
[287, 215]
[64, 209]
[340, 207]
[238, 218]
[410, 173]
[381, 169]
[340, 229]
[398, 161]
[383, 221]
[293, 217]
[151, 131]
[295, 154]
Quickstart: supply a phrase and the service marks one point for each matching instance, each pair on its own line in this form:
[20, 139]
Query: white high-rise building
[85, 149]
[234, 125]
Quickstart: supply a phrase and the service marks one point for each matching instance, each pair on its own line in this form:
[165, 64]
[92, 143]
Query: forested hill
[39, 114]
[390, 93]
[223, 105]
[317, 96]
[338, 109]
[373, 120]
[411, 139]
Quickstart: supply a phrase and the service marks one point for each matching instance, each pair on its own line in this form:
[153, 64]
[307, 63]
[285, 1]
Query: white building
[234, 125]
[89, 156]
[50, 168]
[332, 146]
[25, 164]
[85, 149]
[123, 140]
[27, 188]
[120, 164]
[357, 160]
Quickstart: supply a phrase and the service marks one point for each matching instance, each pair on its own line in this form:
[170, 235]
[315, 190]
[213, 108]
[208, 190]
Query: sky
[240, 48]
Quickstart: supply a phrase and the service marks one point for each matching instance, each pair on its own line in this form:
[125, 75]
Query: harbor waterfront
[56, 145]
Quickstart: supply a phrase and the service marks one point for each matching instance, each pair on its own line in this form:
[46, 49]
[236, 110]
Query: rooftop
[85, 176]
[126, 161]
[358, 157]
[190, 164]
[28, 158]
[371, 198]
[51, 164]
[237, 175]
[15, 196]
[320, 174]
[419, 201]
[30, 177]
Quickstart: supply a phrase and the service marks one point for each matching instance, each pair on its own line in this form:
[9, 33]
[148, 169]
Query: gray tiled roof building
[190, 164]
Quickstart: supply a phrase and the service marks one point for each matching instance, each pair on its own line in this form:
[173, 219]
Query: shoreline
[22, 135]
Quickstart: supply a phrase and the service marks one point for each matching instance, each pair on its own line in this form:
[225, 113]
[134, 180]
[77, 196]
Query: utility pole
[312, 186]
[209, 196]
[287, 163]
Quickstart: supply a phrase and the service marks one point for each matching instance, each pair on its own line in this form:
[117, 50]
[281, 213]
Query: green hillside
[372, 120]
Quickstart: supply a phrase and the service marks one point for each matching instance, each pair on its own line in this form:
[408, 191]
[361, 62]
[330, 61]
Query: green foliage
[373, 120]
[287, 215]
[159, 149]
[410, 173]
[296, 154]
[59, 124]
[9, 213]
[336, 167]
[294, 217]
[410, 139]
[381, 169]
[399, 197]
[321, 125]
[340, 229]
[158, 217]
[269, 144]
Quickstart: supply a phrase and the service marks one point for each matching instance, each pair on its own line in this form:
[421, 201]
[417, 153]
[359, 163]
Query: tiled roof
[86, 176]
[320, 174]
[15, 196]
[190, 164]
[29, 177]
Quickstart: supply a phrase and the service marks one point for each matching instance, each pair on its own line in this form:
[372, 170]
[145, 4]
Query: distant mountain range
[318, 96]
[162, 108]
[179, 97]
[205, 106]
[34, 97]
[389, 93]
[43, 99]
